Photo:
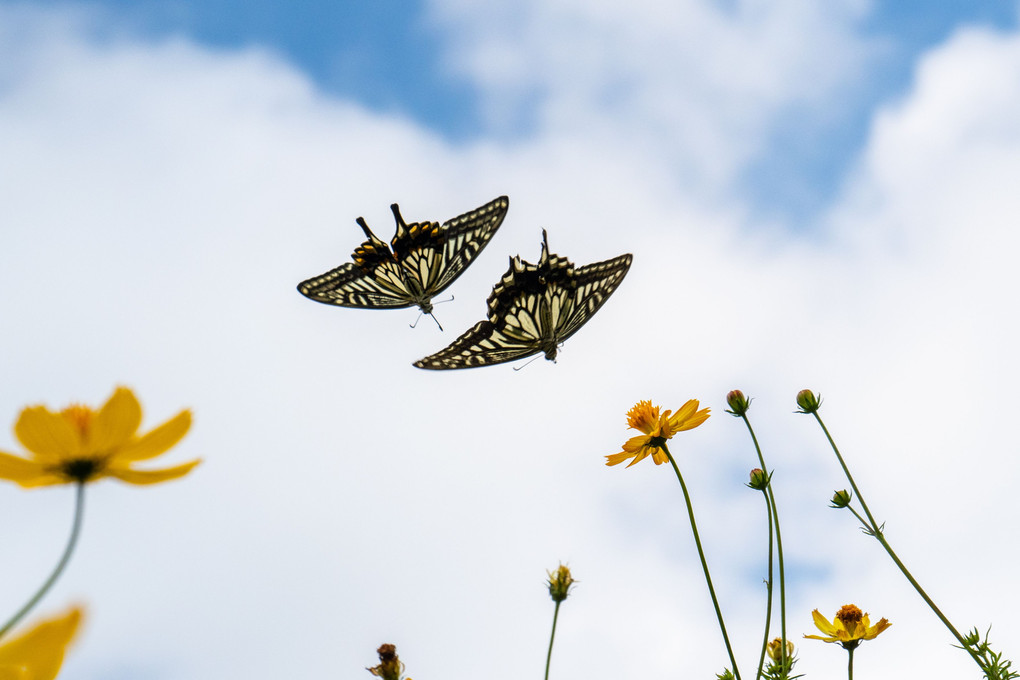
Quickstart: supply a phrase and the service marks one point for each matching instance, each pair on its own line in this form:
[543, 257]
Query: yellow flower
[849, 628]
[79, 444]
[37, 654]
[657, 429]
[559, 583]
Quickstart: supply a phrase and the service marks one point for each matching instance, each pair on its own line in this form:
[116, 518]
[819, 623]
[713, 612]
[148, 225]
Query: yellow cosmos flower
[38, 653]
[79, 444]
[849, 628]
[657, 429]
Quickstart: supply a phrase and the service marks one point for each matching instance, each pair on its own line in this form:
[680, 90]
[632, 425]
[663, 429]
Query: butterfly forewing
[426, 258]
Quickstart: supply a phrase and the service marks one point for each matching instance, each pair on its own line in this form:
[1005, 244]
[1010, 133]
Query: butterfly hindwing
[425, 259]
[533, 309]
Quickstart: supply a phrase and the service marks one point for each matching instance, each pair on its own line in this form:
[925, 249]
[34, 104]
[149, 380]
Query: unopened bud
[738, 403]
[759, 480]
[775, 648]
[841, 499]
[808, 402]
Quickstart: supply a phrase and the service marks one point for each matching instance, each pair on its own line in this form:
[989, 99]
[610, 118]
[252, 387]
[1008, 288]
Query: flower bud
[759, 480]
[559, 583]
[775, 648]
[738, 403]
[808, 402]
[841, 499]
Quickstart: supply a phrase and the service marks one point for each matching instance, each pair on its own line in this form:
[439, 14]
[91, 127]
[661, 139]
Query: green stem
[768, 586]
[875, 530]
[704, 563]
[548, 657]
[79, 506]
[850, 665]
[779, 542]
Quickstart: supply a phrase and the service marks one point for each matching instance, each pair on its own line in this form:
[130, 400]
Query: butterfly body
[425, 259]
[533, 308]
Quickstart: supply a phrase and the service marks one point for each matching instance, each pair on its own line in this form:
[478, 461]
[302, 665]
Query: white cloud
[160, 201]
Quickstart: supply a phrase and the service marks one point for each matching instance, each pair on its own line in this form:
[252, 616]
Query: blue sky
[387, 55]
[814, 195]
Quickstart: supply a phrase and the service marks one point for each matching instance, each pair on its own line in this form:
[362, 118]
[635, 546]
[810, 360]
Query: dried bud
[759, 480]
[841, 499]
[559, 583]
[775, 648]
[738, 403]
[390, 666]
[808, 402]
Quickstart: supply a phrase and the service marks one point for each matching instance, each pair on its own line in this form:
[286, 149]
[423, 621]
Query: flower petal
[618, 458]
[130, 476]
[41, 649]
[823, 624]
[17, 469]
[689, 417]
[116, 423]
[157, 441]
[46, 434]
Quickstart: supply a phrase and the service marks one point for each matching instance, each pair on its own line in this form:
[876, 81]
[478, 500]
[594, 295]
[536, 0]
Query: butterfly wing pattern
[426, 258]
[534, 308]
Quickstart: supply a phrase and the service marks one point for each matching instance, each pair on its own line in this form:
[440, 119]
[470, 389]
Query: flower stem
[704, 563]
[872, 527]
[779, 542]
[850, 664]
[768, 587]
[79, 506]
[552, 636]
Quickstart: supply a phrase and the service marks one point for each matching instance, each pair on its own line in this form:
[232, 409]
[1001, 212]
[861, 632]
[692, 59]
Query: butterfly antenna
[436, 320]
[521, 368]
[545, 247]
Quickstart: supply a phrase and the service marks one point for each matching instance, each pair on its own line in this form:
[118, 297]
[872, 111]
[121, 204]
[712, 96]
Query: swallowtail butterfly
[426, 258]
[533, 309]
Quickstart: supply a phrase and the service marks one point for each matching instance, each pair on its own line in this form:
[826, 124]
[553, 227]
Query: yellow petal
[17, 469]
[157, 441]
[116, 423]
[823, 624]
[635, 444]
[689, 417]
[41, 649]
[617, 458]
[47, 435]
[14, 673]
[130, 476]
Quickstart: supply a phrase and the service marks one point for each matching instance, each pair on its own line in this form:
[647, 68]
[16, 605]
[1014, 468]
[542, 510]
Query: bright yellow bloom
[657, 429]
[79, 444]
[38, 653]
[849, 628]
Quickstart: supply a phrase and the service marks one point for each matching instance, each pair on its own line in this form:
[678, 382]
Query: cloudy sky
[816, 195]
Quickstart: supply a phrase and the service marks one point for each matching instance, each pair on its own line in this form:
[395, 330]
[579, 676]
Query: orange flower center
[850, 615]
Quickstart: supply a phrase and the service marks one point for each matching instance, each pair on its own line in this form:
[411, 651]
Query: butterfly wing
[465, 237]
[592, 286]
[374, 281]
[482, 345]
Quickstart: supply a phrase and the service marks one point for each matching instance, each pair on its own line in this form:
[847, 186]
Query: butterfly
[534, 308]
[426, 258]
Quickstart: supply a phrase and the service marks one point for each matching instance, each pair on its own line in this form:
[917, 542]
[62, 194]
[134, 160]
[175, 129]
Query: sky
[815, 197]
